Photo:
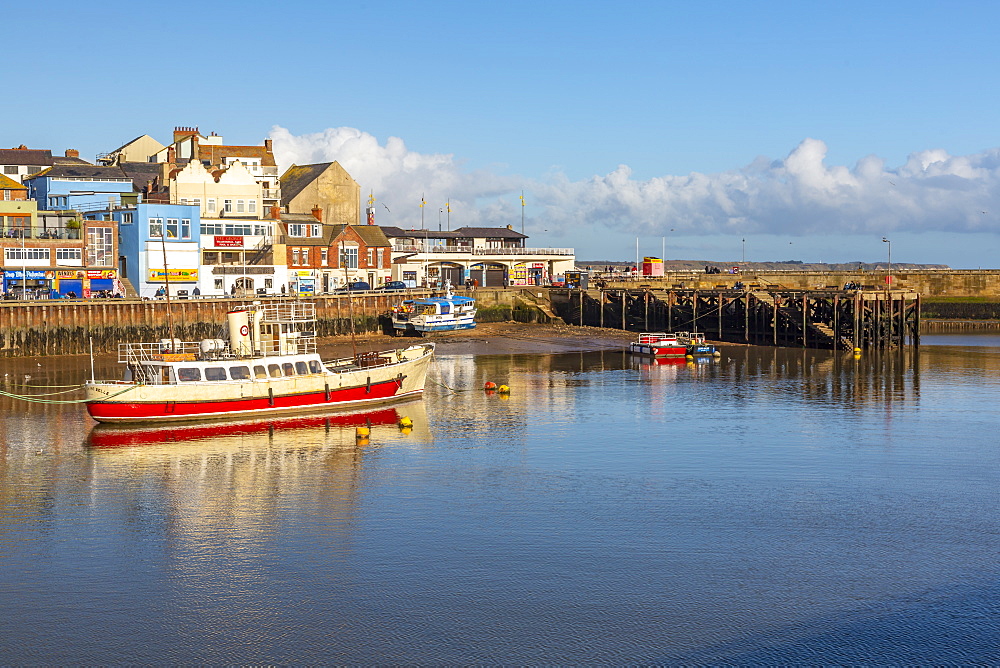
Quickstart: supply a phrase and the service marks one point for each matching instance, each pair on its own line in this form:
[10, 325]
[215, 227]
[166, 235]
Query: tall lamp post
[744, 251]
[888, 279]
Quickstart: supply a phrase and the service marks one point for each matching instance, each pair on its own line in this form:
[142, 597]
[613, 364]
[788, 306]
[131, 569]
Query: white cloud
[799, 195]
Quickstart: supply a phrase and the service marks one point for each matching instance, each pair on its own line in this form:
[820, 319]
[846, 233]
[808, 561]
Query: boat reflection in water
[312, 431]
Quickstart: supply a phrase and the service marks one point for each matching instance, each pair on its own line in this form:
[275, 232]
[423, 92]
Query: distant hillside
[699, 265]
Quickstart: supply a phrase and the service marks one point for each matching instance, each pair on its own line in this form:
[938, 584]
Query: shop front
[182, 281]
[303, 282]
[27, 284]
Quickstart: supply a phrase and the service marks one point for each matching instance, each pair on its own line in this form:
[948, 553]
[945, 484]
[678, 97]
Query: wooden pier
[831, 319]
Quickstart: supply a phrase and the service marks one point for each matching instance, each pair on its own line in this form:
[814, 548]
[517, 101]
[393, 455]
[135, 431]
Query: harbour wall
[63, 327]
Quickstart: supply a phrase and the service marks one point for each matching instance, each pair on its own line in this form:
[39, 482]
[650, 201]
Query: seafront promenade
[72, 326]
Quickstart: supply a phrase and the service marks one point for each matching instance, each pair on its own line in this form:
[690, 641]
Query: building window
[24, 254]
[211, 205]
[268, 283]
[324, 256]
[10, 169]
[211, 228]
[371, 257]
[185, 228]
[127, 218]
[252, 204]
[172, 230]
[74, 255]
[218, 284]
[155, 228]
[262, 230]
[295, 256]
[240, 206]
[239, 229]
[349, 257]
[314, 230]
[100, 249]
[227, 206]
[295, 230]
[381, 257]
[305, 256]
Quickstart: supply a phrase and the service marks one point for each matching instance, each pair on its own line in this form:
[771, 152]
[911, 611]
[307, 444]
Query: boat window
[301, 368]
[445, 309]
[259, 371]
[215, 373]
[274, 370]
[289, 369]
[315, 366]
[187, 374]
[239, 372]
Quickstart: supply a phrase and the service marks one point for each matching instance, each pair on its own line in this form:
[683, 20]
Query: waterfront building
[322, 258]
[80, 187]
[150, 231]
[490, 256]
[50, 254]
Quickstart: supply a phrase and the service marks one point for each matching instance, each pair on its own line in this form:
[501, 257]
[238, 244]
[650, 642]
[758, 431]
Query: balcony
[468, 250]
[272, 193]
[52, 233]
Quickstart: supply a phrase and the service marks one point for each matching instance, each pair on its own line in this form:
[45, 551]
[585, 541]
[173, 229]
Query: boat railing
[294, 343]
[652, 338]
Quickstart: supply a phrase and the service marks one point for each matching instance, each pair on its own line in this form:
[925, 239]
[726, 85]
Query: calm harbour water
[777, 506]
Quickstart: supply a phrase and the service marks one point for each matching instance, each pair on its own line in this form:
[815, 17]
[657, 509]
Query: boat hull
[653, 350]
[137, 403]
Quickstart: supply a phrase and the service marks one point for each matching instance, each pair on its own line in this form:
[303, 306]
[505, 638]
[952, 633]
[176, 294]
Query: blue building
[80, 187]
[146, 233]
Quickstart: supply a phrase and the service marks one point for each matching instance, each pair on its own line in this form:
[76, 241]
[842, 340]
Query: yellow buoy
[405, 423]
[362, 432]
[503, 389]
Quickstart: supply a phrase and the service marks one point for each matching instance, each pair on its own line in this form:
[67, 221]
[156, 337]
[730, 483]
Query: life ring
[244, 330]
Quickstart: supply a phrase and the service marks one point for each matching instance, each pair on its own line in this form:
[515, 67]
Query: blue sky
[809, 129]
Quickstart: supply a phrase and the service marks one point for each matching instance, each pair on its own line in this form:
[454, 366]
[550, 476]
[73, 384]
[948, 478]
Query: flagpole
[522, 212]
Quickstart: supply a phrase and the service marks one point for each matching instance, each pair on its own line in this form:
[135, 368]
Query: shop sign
[103, 273]
[31, 274]
[179, 275]
[229, 242]
[304, 273]
[70, 274]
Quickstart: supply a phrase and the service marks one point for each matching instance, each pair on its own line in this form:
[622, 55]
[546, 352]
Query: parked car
[392, 286]
[356, 286]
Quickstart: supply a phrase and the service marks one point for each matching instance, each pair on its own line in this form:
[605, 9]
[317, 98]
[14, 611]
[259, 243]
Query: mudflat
[490, 338]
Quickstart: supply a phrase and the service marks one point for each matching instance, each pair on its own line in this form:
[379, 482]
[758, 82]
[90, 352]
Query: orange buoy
[490, 385]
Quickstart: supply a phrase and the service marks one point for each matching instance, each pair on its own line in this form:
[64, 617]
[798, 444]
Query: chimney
[268, 146]
[318, 213]
[72, 153]
[276, 212]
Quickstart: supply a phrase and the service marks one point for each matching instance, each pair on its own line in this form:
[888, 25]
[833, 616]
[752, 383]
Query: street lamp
[744, 251]
[888, 279]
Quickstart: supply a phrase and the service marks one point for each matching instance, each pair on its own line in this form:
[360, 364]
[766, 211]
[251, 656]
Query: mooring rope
[33, 398]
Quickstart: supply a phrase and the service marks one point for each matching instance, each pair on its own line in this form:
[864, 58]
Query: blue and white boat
[446, 313]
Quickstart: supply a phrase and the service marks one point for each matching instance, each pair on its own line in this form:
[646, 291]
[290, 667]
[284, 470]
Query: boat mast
[166, 283]
[350, 299]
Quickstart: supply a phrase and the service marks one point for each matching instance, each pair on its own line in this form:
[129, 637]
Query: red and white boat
[267, 366]
[658, 344]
